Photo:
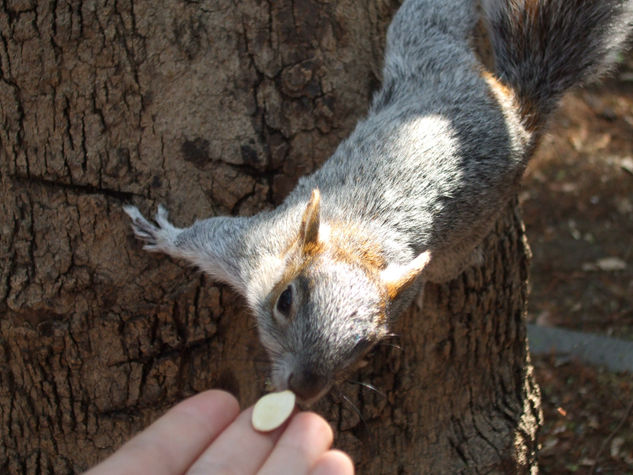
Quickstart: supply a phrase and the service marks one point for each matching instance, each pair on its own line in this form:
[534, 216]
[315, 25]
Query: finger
[333, 462]
[171, 444]
[302, 443]
[239, 449]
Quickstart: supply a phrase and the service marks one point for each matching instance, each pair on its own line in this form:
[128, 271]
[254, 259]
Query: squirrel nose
[306, 384]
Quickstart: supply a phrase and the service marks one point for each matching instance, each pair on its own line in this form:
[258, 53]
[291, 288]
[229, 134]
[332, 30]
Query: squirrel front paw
[159, 238]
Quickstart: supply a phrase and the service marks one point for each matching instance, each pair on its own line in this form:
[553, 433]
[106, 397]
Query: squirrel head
[330, 306]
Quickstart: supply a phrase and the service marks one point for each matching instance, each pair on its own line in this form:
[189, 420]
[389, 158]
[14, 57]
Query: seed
[272, 410]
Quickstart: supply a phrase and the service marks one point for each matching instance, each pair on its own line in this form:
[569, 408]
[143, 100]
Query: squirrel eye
[284, 302]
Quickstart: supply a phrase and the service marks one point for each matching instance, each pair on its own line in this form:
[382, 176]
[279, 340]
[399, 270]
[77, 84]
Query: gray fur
[438, 156]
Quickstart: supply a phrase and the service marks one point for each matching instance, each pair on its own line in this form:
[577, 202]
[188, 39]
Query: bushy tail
[544, 47]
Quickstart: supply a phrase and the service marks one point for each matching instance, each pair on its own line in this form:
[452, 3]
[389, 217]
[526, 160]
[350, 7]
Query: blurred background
[577, 201]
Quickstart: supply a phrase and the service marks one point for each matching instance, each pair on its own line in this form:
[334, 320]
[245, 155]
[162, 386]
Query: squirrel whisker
[392, 345]
[354, 407]
[368, 386]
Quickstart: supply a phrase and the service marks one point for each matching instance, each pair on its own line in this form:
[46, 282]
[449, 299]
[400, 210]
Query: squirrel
[409, 196]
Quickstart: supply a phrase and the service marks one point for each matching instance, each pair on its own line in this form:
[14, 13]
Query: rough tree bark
[213, 107]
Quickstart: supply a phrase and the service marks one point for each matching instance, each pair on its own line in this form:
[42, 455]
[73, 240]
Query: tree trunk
[213, 108]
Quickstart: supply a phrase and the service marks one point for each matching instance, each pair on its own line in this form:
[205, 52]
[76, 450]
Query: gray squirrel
[410, 195]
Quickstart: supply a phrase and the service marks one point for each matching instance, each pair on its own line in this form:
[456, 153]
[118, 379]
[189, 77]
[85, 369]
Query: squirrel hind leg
[476, 258]
[448, 267]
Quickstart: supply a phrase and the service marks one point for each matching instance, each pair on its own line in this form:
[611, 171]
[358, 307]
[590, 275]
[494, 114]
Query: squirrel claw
[161, 217]
[156, 238]
[143, 229]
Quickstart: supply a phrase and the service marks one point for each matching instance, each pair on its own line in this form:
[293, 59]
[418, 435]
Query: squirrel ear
[397, 278]
[310, 223]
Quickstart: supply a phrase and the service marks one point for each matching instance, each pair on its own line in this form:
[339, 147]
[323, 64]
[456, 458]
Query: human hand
[207, 434]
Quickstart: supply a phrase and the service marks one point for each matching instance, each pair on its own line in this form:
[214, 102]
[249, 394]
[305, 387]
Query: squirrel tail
[544, 47]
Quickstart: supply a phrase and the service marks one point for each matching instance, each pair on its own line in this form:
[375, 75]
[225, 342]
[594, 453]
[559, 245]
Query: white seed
[272, 410]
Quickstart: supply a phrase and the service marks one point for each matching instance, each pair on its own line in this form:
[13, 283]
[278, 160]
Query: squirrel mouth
[308, 402]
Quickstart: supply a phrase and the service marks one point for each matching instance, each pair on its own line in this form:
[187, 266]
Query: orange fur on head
[309, 234]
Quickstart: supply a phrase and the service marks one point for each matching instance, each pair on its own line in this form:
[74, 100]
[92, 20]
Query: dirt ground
[577, 202]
